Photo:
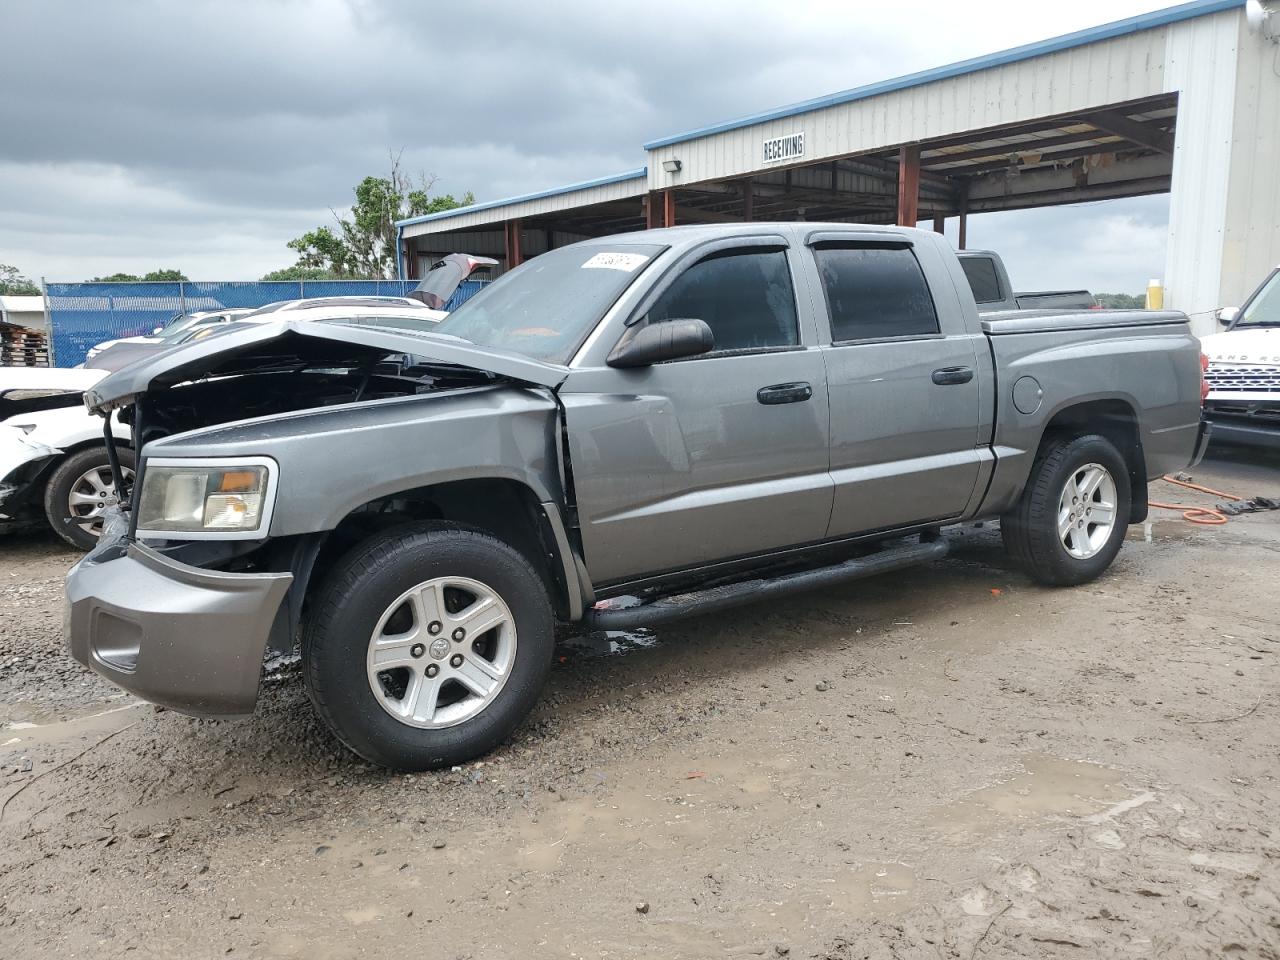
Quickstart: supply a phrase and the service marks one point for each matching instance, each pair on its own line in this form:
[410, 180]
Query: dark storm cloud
[159, 124]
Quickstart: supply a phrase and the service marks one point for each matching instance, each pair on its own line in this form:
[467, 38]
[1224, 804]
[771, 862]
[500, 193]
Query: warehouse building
[1184, 101]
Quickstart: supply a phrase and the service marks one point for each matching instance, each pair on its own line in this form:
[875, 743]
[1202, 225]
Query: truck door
[712, 457]
[903, 374]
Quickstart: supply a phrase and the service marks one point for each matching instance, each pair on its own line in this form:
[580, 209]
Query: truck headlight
[206, 499]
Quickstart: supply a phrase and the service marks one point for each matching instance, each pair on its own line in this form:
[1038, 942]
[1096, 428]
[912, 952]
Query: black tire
[354, 597]
[1030, 529]
[57, 492]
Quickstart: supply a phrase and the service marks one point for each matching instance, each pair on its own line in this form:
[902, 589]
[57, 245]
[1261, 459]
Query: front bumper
[180, 636]
[1252, 422]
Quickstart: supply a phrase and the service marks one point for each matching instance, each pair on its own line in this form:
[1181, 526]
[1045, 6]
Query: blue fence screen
[84, 314]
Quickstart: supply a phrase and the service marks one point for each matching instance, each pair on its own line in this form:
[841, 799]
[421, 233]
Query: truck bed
[1132, 367]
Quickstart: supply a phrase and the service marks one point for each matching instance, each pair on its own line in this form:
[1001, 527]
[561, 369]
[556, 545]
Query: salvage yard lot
[948, 761]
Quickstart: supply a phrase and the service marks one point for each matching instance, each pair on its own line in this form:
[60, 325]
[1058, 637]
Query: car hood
[25, 390]
[1257, 345]
[285, 344]
[47, 378]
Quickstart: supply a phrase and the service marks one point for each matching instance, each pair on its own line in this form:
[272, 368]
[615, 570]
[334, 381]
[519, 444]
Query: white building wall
[1200, 65]
[1251, 240]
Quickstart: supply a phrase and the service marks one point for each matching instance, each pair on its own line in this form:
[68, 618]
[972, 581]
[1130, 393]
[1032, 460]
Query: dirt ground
[947, 762]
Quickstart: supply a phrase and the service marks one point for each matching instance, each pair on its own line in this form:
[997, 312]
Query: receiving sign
[790, 147]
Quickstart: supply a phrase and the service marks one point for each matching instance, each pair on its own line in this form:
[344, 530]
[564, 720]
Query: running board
[721, 598]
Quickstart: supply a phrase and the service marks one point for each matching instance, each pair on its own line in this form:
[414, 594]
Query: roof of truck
[713, 231]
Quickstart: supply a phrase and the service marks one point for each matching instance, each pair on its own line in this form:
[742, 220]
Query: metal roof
[1106, 31]
[540, 195]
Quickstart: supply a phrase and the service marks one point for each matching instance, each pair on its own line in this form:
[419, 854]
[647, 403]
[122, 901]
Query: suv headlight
[189, 499]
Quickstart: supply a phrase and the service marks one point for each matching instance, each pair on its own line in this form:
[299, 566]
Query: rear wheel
[428, 646]
[1070, 522]
[80, 490]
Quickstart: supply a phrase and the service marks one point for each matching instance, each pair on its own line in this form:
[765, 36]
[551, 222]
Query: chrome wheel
[1087, 511]
[441, 652]
[91, 493]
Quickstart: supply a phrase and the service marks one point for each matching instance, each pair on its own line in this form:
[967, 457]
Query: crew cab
[616, 433]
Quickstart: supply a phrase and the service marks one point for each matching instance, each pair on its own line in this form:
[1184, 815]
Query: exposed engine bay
[206, 403]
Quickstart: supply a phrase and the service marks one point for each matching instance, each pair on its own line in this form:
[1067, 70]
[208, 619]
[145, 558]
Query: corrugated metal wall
[1251, 245]
[1200, 65]
[488, 243]
[1110, 71]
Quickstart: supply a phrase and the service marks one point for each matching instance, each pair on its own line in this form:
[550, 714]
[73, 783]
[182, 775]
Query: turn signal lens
[1204, 380]
[238, 481]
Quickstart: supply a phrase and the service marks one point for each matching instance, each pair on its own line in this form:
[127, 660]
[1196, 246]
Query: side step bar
[731, 595]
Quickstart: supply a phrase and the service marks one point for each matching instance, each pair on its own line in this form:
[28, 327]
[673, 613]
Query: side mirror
[651, 343]
[1227, 316]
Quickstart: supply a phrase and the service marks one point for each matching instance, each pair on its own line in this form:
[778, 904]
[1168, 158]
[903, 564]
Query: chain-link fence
[84, 314]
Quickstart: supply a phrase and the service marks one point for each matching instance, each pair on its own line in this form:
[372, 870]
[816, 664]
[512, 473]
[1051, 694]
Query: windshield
[545, 308]
[1263, 308]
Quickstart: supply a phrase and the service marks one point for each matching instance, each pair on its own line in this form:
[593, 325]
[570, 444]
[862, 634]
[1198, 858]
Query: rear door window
[983, 279]
[745, 296]
[875, 292]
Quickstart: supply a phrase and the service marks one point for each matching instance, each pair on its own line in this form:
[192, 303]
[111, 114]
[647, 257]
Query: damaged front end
[262, 453]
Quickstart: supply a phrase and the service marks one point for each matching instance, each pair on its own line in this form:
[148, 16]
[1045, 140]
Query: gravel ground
[946, 762]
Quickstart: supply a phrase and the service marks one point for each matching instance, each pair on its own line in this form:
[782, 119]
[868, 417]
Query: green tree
[1121, 301]
[363, 244]
[14, 284]
[155, 276]
[297, 272]
[169, 275]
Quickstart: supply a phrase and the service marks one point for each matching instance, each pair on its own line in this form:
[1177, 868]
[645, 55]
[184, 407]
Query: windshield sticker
[628, 262]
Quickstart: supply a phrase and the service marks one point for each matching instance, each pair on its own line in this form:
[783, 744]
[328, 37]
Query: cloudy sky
[204, 134]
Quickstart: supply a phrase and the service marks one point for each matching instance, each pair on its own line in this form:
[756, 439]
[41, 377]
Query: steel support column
[660, 209]
[963, 231]
[513, 255]
[908, 185]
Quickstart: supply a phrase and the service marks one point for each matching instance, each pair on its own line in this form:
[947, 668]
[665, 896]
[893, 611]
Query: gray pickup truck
[616, 433]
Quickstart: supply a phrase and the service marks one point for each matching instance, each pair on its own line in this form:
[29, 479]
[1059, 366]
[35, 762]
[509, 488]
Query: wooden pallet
[23, 347]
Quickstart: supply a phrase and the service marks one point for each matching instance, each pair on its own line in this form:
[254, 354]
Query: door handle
[784, 393]
[950, 375]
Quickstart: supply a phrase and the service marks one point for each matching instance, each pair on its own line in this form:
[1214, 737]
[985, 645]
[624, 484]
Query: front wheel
[1070, 521]
[428, 646]
[80, 491]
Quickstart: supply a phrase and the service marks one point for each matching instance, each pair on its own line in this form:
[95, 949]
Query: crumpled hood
[284, 344]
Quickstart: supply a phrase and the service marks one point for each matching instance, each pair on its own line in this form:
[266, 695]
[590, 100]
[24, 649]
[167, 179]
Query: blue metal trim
[1107, 31]
[399, 252]
[555, 191]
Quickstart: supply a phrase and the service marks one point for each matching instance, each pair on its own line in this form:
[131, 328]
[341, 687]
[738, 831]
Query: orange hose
[1200, 515]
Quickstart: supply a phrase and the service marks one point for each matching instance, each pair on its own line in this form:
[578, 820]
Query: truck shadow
[607, 697]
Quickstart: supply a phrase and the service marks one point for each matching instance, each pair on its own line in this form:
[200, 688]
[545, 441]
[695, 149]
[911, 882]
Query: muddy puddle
[1041, 787]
